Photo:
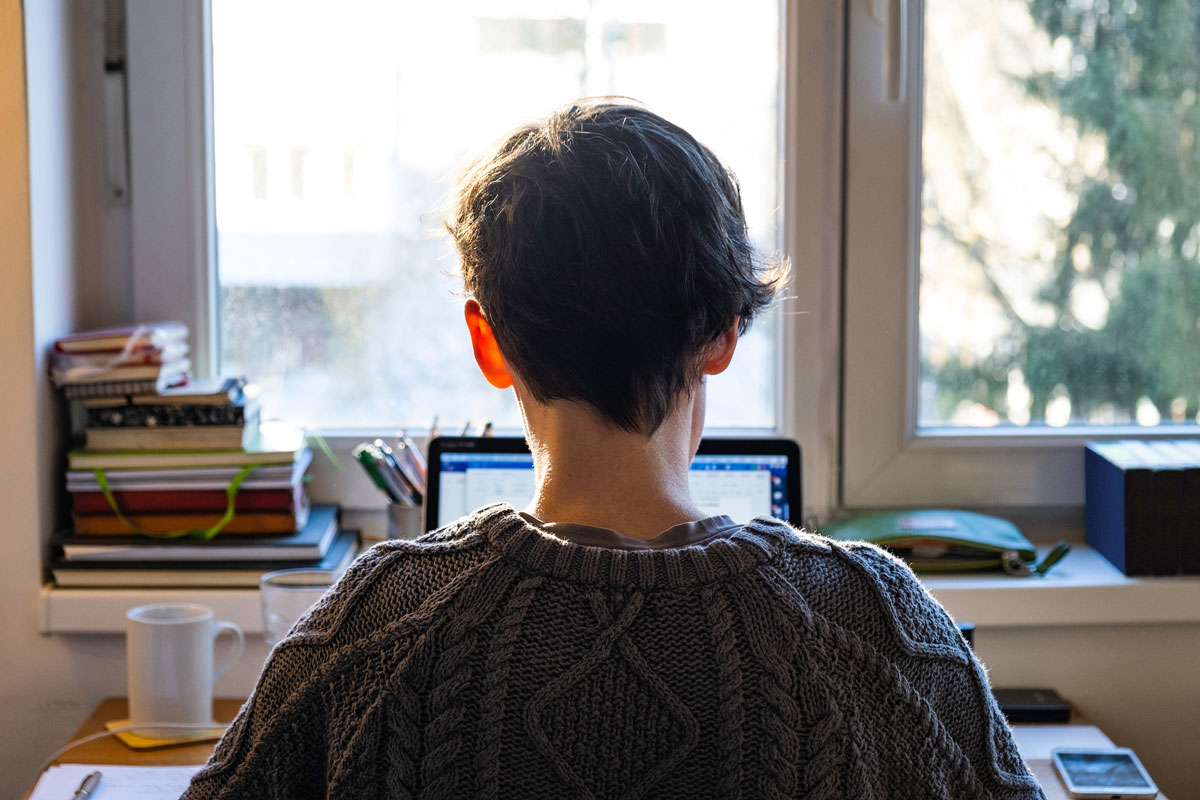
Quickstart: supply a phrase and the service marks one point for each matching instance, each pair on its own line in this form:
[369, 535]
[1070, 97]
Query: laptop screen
[741, 478]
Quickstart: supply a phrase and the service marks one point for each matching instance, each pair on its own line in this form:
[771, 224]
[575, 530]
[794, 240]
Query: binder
[1143, 505]
[1117, 506]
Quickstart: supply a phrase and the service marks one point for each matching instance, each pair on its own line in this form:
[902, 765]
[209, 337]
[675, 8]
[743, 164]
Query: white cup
[169, 658]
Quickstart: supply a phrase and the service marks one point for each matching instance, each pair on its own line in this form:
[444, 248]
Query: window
[1058, 233]
[336, 135]
[1021, 243]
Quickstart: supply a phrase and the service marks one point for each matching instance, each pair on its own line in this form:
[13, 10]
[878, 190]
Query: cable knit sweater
[493, 660]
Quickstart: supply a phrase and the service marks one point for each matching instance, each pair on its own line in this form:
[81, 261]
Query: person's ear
[720, 352]
[487, 351]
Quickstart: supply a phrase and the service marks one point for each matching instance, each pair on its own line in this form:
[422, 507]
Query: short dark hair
[608, 248]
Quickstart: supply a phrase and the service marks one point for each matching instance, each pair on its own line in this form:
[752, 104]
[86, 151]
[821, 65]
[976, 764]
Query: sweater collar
[753, 544]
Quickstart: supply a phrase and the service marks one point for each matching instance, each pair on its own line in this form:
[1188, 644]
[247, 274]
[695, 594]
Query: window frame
[172, 248]
[886, 460]
[172, 231]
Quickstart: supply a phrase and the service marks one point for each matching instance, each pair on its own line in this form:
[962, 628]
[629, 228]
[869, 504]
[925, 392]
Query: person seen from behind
[611, 640]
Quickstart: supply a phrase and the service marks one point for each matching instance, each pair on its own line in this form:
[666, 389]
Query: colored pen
[396, 486]
[414, 455]
[410, 461]
[363, 456]
[391, 465]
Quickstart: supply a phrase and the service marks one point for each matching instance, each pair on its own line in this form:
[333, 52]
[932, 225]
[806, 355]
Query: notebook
[310, 542]
[175, 574]
[742, 478]
[116, 782]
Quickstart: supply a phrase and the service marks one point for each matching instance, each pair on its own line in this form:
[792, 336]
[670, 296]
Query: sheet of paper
[1036, 741]
[118, 783]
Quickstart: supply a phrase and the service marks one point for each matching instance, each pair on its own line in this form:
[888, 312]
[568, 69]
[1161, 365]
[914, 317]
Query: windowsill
[1082, 590]
[73, 611]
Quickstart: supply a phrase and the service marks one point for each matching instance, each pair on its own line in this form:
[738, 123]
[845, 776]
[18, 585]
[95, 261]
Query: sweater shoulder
[877, 599]
[390, 581]
[391, 593]
[868, 590]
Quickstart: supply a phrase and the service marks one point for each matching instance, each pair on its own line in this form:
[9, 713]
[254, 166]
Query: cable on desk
[125, 729]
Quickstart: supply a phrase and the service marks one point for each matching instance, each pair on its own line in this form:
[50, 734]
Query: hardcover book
[1143, 505]
[191, 437]
[1117, 507]
[311, 541]
[167, 416]
[146, 336]
[273, 445]
[186, 478]
[198, 573]
[279, 500]
[249, 522]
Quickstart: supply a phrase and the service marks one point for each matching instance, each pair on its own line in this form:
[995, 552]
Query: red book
[257, 522]
[284, 500]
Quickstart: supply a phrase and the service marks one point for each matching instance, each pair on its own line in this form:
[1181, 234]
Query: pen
[411, 461]
[396, 469]
[413, 454]
[363, 456]
[87, 787]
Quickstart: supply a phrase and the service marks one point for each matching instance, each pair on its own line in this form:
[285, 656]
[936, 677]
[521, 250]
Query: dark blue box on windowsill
[1143, 505]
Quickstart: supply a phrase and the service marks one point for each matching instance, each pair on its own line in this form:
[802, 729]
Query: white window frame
[172, 232]
[886, 460]
[172, 213]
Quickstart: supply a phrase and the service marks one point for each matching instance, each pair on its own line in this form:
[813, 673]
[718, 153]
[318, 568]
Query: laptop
[741, 478]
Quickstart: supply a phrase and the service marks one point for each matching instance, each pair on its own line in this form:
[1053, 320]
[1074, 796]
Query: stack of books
[182, 485]
[140, 517]
[162, 492]
[129, 360]
[219, 414]
[222, 562]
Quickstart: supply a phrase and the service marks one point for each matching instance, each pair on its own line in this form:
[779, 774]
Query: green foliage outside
[1137, 88]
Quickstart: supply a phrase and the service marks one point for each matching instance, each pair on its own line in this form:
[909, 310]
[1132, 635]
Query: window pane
[338, 128]
[1060, 222]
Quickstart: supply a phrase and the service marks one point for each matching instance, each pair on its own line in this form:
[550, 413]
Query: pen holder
[404, 522]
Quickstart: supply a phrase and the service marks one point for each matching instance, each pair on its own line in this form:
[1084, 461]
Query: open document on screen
[740, 486]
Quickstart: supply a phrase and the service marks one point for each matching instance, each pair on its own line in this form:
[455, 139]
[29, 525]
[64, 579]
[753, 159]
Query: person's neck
[591, 472]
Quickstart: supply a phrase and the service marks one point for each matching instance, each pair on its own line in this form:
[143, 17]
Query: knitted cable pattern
[400, 744]
[730, 711]
[447, 709]
[931, 734]
[772, 645]
[495, 689]
[493, 660]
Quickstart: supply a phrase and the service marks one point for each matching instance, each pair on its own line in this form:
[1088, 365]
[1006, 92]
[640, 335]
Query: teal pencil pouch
[941, 540]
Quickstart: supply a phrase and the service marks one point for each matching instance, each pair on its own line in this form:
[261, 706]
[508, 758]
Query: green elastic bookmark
[207, 533]
[323, 446]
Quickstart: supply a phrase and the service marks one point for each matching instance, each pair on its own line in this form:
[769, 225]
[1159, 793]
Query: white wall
[69, 268]
[1139, 683]
[61, 246]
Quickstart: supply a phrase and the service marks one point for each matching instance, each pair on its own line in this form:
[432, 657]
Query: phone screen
[1102, 769]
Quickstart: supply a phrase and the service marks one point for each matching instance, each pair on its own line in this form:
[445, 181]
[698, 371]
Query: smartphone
[1113, 773]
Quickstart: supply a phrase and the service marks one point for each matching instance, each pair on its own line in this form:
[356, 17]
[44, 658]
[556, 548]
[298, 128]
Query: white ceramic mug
[169, 658]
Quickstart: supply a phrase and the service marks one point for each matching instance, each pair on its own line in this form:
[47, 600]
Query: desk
[109, 750]
[1034, 742]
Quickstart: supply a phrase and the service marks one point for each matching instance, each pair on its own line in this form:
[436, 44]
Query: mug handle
[224, 626]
